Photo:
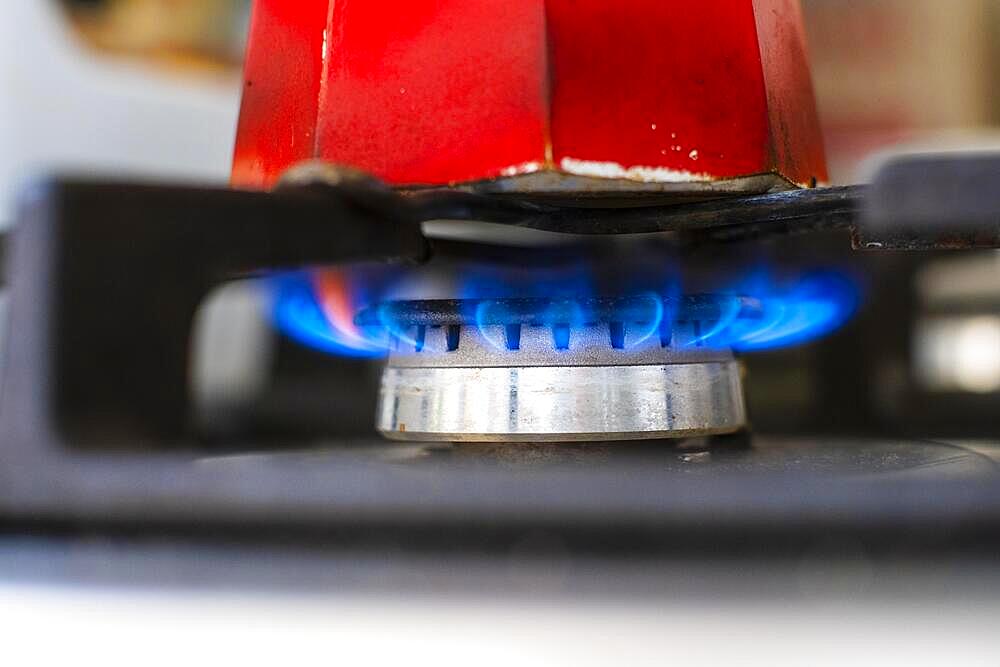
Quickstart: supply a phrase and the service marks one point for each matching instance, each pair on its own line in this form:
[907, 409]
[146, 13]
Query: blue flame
[813, 306]
[651, 328]
[787, 311]
[720, 331]
[297, 312]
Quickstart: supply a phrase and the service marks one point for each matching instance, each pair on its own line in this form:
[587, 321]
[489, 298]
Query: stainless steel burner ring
[451, 383]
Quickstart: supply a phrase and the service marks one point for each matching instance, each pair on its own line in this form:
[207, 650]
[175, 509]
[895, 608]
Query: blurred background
[184, 35]
[135, 87]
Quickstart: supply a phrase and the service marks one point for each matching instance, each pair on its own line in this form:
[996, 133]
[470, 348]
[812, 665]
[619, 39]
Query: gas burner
[530, 370]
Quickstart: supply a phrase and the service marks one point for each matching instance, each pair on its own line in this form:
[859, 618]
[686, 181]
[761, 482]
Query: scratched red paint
[446, 91]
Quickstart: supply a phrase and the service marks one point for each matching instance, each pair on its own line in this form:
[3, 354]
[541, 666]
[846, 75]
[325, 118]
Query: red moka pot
[577, 99]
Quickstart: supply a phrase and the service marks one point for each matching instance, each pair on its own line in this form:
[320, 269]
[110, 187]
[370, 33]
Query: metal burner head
[527, 370]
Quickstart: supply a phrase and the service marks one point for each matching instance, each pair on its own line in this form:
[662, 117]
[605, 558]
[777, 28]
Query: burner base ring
[561, 403]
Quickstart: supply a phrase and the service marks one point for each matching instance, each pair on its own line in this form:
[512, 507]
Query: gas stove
[587, 414]
[553, 290]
